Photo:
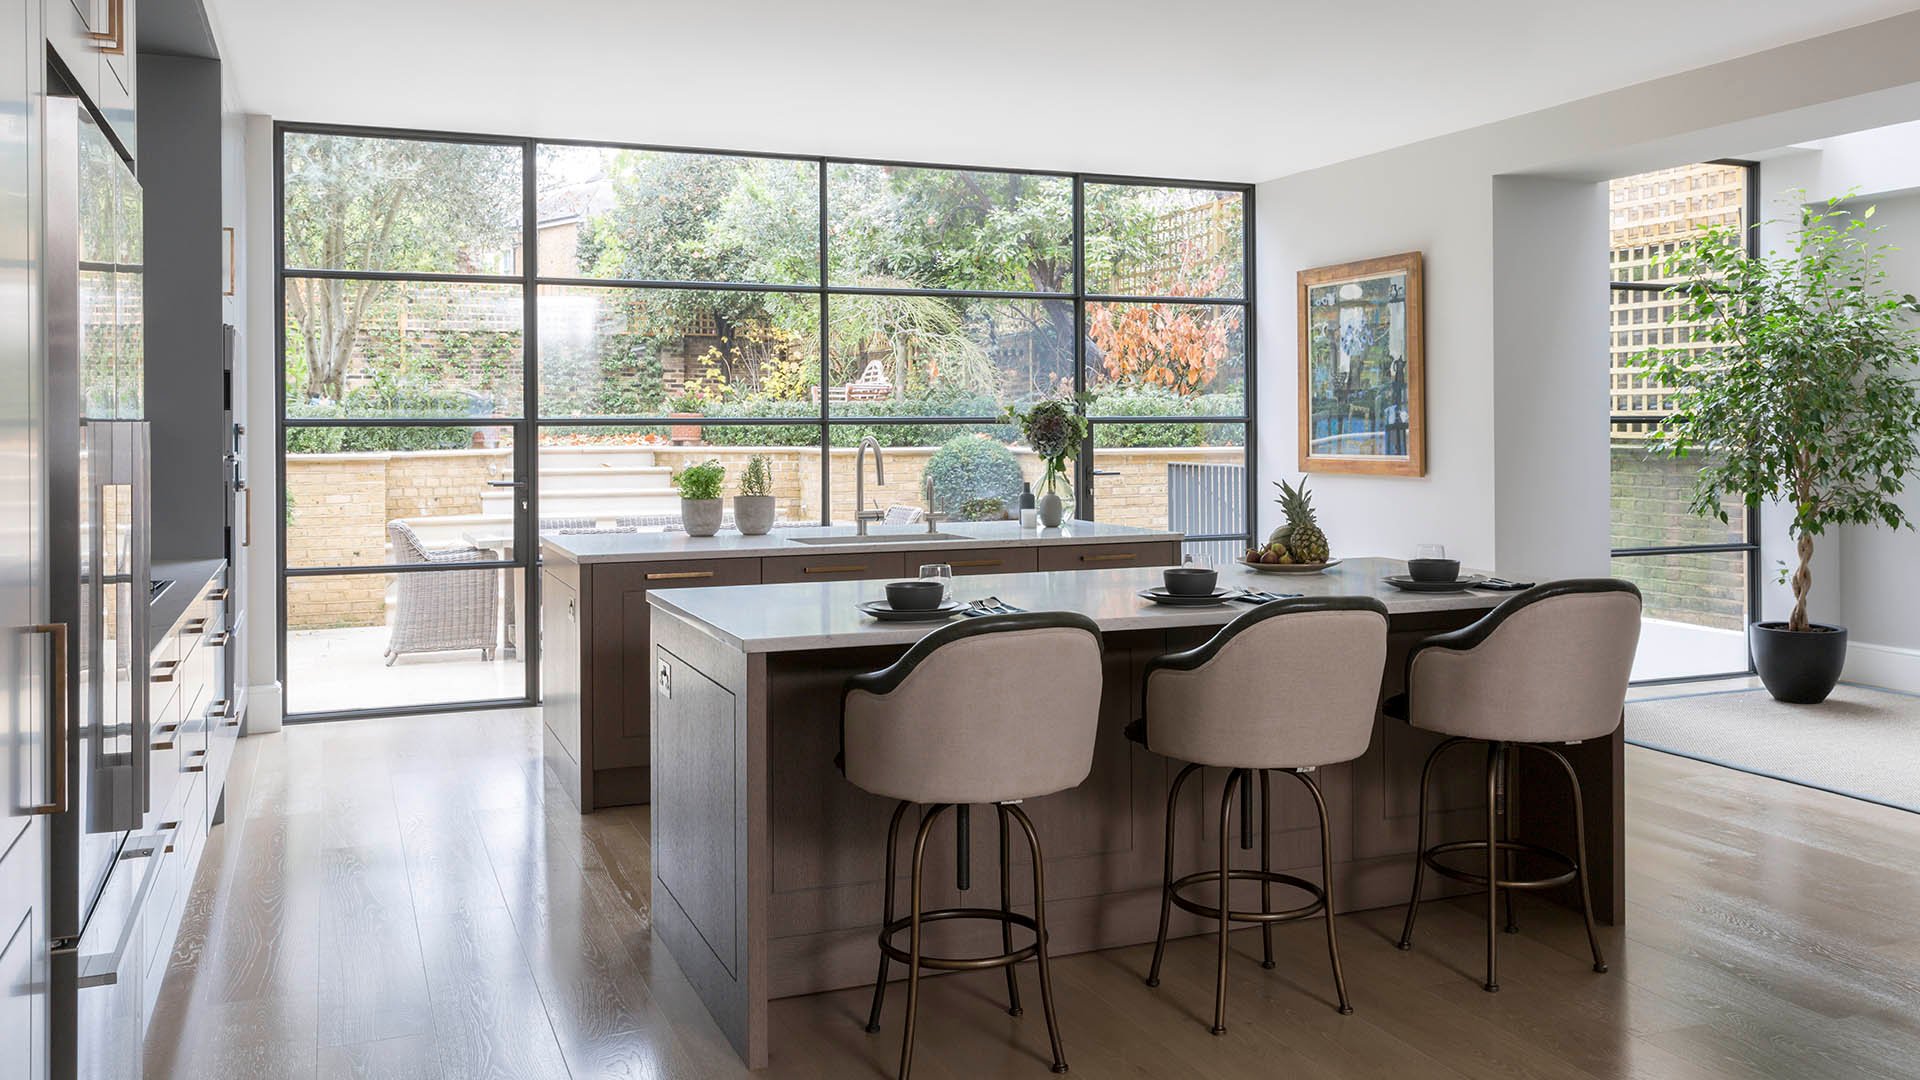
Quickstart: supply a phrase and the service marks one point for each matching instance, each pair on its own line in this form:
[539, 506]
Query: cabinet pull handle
[217, 595]
[194, 626]
[833, 569]
[219, 641]
[165, 670]
[970, 564]
[116, 29]
[1121, 556]
[246, 517]
[57, 739]
[679, 575]
[196, 761]
[233, 270]
[172, 829]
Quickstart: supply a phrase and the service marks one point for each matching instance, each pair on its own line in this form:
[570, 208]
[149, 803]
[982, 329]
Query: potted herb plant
[699, 487]
[1802, 396]
[1055, 430]
[753, 507]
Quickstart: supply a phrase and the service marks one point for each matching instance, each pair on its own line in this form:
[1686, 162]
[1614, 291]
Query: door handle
[507, 483]
[57, 739]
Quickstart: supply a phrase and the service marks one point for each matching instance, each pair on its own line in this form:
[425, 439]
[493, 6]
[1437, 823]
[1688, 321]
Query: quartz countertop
[822, 615]
[660, 546]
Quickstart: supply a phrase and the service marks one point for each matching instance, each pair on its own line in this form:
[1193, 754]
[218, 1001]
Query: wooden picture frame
[1363, 384]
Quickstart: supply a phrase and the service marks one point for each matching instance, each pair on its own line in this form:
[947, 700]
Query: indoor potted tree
[1802, 395]
[699, 487]
[753, 507]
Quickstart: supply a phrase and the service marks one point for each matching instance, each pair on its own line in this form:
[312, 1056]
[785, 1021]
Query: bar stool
[1291, 685]
[991, 710]
[1550, 665]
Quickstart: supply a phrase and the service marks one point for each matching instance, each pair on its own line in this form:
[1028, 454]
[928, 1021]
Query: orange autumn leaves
[1177, 347]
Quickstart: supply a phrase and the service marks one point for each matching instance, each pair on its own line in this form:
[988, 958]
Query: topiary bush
[969, 468]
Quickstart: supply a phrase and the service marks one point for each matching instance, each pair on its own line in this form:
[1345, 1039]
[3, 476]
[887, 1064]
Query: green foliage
[758, 478]
[1056, 430]
[1157, 401]
[702, 481]
[983, 510]
[969, 468]
[383, 399]
[1808, 398]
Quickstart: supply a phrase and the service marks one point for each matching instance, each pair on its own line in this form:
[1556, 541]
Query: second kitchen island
[767, 864]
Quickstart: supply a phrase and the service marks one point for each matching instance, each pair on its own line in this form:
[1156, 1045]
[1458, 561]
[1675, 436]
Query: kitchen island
[594, 628]
[767, 865]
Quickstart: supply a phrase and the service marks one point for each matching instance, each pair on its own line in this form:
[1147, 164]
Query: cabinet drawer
[850, 566]
[688, 575]
[1105, 556]
[969, 561]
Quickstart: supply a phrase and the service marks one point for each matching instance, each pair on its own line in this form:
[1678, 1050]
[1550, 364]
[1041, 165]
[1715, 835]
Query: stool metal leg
[1506, 833]
[1326, 886]
[1420, 847]
[913, 937]
[1226, 845]
[1580, 852]
[1040, 937]
[1496, 761]
[1006, 904]
[1166, 877]
[1266, 865]
[880, 981]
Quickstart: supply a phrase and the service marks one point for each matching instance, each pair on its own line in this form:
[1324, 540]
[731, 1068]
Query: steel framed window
[529, 424]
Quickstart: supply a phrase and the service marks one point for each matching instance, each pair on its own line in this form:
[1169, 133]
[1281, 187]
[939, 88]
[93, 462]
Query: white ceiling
[1220, 89]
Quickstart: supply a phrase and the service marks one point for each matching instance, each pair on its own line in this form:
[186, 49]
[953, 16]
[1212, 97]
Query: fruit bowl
[1290, 568]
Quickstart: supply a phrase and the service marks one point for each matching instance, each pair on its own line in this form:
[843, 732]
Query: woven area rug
[1861, 742]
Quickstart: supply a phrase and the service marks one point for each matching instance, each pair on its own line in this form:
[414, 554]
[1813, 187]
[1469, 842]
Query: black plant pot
[1799, 667]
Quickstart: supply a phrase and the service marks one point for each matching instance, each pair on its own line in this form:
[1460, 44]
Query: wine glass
[1429, 551]
[942, 573]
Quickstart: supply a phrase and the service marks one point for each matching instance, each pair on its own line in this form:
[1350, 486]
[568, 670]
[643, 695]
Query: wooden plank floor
[414, 898]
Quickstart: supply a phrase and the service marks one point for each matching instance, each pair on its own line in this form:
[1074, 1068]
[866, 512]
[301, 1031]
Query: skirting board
[266, 705]
[1886, 666]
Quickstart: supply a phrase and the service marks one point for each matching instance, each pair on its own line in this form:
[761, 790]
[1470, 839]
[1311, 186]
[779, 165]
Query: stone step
[640, 479]
[589, 456]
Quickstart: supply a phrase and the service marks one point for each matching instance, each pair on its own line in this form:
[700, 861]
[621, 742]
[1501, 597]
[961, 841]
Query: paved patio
[347, 669]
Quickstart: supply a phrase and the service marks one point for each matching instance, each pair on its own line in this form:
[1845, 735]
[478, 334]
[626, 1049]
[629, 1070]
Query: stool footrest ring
[1184, 903]
[962, 963]
[1431, 857]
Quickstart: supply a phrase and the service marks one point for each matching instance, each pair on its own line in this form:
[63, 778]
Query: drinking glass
[942, 573]
[1429, 551]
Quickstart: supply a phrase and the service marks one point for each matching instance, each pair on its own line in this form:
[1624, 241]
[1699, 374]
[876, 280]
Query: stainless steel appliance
[100, 585]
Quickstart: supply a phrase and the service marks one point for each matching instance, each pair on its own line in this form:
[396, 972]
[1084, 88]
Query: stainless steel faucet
[862, 515]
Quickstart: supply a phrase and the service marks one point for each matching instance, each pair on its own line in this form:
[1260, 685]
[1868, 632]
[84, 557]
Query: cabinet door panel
[67, 30]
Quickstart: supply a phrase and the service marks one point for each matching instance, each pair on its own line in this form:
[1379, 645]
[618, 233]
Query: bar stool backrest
[984, 710]
[1549, 665]
[1290, 684]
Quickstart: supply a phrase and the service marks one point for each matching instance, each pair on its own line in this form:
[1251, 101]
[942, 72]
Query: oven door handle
[103, 969]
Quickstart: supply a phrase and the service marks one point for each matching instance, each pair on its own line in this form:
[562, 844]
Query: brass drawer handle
[57, 738]
[171, 669]
[1122, 556]
[219, 640]
[172, 829]
[194, 626]
[116, 29]
[833, 569]
[196, 761]
[970, 564]
[218, 596]
[680, 575]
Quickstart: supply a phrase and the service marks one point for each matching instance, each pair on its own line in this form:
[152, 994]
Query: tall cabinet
[28, 646]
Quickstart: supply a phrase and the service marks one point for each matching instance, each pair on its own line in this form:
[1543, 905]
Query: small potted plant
[1803, 396]
[1055, 430]
[753, 507]
[699, 487]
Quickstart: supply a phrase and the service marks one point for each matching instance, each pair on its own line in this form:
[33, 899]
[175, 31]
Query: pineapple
[1304, 540]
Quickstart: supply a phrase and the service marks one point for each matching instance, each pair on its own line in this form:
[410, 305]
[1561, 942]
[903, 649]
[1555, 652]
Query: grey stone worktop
[822, 615]
[663, 546]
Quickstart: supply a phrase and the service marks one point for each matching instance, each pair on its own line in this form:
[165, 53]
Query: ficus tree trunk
[1802, 583]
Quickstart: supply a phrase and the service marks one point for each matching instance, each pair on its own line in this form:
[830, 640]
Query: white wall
[1510, 254]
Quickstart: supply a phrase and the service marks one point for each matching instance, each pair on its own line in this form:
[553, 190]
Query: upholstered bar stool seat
[1547, 667]
[1291, 685]
[992, 710]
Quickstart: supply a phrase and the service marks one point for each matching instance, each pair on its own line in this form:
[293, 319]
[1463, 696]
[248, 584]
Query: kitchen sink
[881, 538]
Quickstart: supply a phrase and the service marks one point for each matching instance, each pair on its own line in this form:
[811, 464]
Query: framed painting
[1363, 368]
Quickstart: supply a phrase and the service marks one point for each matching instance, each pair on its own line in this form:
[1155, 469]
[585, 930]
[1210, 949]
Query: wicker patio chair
[562, 524]
[441, 611]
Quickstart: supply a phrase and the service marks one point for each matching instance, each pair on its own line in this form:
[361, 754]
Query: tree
[1807, 396]
[385, 204]
[1171, 346]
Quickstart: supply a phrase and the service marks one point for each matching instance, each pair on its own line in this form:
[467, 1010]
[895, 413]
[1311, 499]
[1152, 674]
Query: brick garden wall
[1649, 497]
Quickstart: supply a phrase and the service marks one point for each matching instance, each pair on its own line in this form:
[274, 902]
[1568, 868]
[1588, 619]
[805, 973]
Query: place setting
[1199, 586]
[930, 599]
[1430, 571]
